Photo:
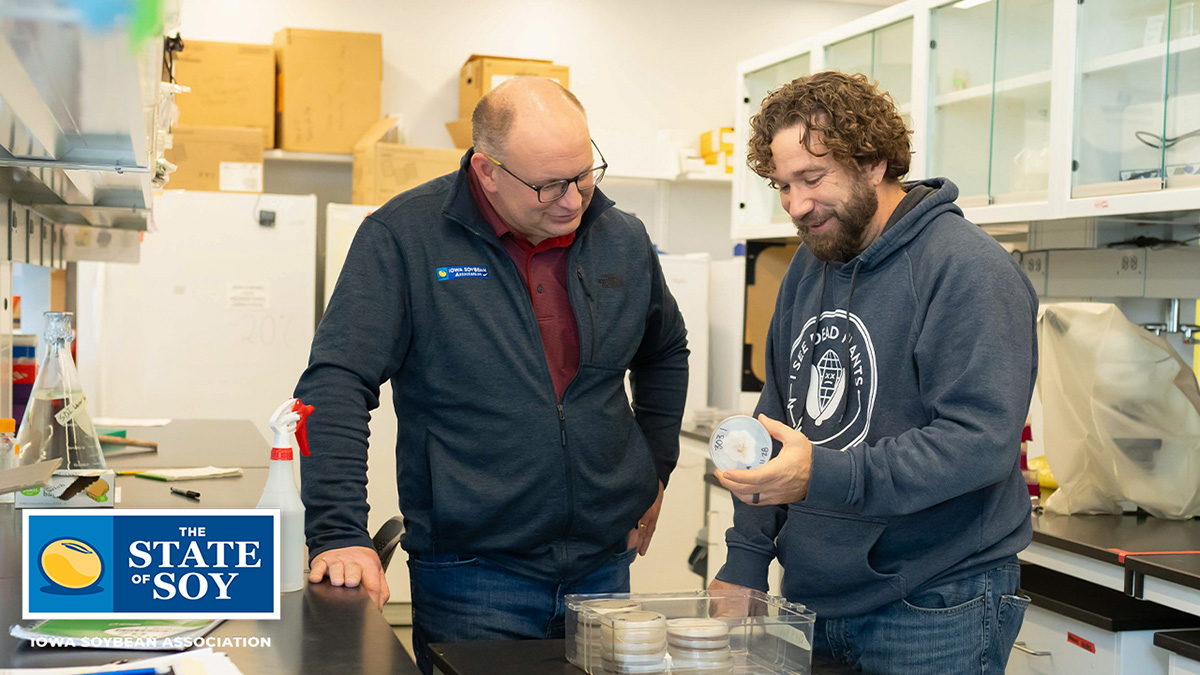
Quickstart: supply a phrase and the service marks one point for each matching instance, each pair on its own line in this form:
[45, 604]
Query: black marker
[190, 494]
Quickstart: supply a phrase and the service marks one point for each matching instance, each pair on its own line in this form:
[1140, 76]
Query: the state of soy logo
[141, 563]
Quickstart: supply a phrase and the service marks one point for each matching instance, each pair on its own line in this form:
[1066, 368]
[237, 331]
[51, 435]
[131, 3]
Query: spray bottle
[280, 493]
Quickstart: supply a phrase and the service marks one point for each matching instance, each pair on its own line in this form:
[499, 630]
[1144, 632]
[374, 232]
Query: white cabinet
[1037, 109]
[1052, 644]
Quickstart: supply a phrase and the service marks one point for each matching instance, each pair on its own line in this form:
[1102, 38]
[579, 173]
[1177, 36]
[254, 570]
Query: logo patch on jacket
[462, 272]
[611, 281]
[842, 367]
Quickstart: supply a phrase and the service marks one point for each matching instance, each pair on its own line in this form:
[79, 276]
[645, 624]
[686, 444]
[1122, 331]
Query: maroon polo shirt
[544, 270]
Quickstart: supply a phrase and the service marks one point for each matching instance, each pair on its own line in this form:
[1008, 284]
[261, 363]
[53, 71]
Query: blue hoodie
[910, 368]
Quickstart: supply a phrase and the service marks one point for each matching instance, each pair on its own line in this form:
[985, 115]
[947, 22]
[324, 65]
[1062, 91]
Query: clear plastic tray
[776, 638]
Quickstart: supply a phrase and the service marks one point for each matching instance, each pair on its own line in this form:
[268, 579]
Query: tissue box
[674, 632]
[89, 488]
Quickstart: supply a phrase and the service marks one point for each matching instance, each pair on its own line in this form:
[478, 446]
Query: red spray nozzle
[302, 426]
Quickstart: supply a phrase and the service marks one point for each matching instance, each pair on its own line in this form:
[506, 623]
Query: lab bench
[322, 629]
[532, 657]
[1106, 589]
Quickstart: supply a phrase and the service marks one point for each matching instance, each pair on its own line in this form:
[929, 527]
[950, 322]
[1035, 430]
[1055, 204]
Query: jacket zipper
[562, 418]
[591, 307]
[562, 429]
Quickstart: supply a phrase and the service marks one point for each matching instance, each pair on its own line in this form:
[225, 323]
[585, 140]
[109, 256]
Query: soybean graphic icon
[71, 563]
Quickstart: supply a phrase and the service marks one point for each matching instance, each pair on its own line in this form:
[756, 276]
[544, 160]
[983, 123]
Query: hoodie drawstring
[844, 352]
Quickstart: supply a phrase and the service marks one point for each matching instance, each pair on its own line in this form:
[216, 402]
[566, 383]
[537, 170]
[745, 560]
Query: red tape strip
[1122, 554]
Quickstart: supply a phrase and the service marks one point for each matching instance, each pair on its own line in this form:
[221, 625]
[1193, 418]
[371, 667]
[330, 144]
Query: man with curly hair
[901, 360]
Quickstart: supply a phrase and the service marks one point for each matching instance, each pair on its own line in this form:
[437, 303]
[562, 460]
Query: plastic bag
[1121, 414]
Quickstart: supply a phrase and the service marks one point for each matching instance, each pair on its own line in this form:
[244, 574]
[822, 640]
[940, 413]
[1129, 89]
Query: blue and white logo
[818, 393]
[150, 563]
[462, 272]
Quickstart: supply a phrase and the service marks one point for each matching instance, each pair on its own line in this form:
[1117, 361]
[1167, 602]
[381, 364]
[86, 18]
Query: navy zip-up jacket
[488, 462]
[910, 368]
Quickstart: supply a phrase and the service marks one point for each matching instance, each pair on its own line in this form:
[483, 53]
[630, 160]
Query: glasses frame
[565, 182]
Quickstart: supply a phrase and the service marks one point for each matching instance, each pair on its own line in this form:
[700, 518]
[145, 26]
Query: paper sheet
[23, 477]
[194, 662]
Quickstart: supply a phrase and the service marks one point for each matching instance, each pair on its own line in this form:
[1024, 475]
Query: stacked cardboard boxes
[716, 146]
[384, 168]
[482, 73]
[232, 85]
[328, 88]
[226, 159]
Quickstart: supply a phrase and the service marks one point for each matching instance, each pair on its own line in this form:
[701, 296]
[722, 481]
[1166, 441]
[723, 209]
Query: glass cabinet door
[854, 55]
[893, 63]
[884, 55]
[1182, 145]
[1020, 157]
[1120, 99]
[761, 204]
[960, 128]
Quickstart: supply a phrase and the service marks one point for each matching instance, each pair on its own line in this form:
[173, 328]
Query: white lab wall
[638, 66]
[216, 319]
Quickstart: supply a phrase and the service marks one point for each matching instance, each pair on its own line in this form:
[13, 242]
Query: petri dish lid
[740, 442]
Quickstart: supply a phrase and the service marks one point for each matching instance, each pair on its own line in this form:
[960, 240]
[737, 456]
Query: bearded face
[835, 233]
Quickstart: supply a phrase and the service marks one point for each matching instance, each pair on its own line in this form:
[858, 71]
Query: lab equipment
[688, 632]
[8, 451]
[56, 421]
[290, 419]
[740, 442]
[1121, 415]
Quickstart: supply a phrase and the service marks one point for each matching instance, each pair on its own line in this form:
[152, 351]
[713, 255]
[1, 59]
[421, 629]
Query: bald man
[505, 302]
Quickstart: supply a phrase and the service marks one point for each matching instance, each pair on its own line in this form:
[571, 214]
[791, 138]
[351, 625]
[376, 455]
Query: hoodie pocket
[813, 543]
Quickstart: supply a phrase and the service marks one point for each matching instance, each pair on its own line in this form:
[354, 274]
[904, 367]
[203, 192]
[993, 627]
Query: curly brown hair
[858, 123]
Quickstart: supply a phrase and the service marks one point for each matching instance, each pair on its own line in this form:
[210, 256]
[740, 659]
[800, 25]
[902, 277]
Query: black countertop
[1182, 569]
[1105, 538]
[533, 657]
[1185, 643]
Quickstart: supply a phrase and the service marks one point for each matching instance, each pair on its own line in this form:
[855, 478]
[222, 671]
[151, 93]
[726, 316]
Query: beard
[844, 238]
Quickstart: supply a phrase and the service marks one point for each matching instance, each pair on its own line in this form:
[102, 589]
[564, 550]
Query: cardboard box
[460, 132]
[384, 169]
[716, 141]
[328, 88]
[482, 73]
[91, 488]
[225, 159]
[233, 85]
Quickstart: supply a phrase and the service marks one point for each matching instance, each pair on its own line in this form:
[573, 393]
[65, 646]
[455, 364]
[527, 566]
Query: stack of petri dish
[587, 635]
[634, 642]
[699, 646]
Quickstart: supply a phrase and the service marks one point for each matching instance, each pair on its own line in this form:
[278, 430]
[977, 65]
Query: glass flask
[56, 421]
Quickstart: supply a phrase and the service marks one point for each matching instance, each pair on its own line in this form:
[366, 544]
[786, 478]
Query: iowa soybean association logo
[151, 563]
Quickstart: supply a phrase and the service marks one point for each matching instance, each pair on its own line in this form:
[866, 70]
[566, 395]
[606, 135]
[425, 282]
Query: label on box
[241, 177]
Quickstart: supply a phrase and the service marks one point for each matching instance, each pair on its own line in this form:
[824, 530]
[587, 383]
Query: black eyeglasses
[555, 189]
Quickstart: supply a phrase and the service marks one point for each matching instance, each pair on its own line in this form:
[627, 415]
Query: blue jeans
[456, 598]
[964, 626]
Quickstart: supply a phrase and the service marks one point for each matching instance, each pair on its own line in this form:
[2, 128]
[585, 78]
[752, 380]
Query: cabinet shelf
[984, 91]
[1140, 55]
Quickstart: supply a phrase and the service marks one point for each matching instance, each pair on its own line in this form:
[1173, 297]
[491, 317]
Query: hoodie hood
[893, 239]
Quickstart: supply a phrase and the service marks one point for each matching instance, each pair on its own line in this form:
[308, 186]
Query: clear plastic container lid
[740, 442]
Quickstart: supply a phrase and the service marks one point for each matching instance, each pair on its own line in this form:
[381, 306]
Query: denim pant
[456, 598]
[964, 626]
